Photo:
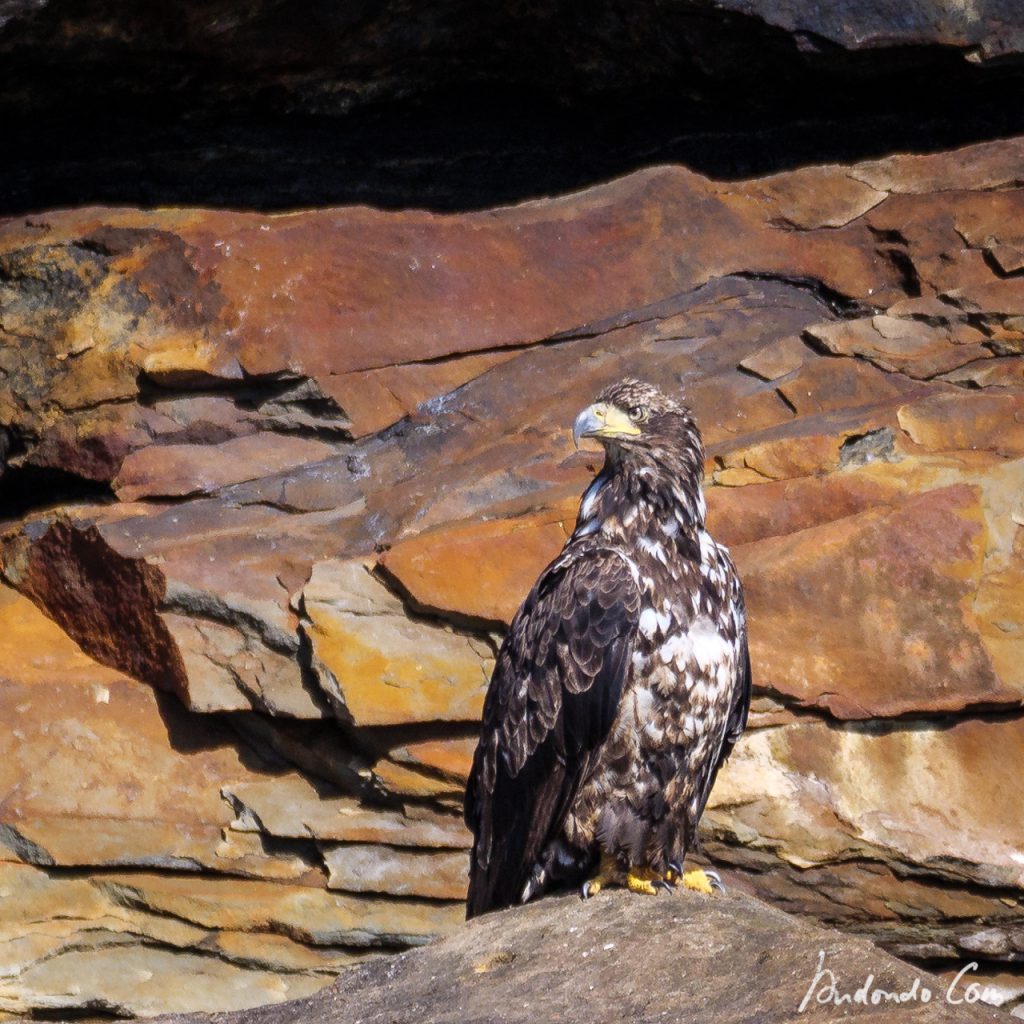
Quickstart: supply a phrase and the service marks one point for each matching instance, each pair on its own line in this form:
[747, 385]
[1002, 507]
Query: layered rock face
[273, 487]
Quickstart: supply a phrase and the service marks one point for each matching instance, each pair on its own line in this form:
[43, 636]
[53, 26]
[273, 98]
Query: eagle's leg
[607, 873]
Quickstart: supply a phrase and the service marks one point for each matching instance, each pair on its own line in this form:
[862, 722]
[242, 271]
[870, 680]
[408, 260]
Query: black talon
[662, 884]
[674, 865]
[716, 880]
[585, 891]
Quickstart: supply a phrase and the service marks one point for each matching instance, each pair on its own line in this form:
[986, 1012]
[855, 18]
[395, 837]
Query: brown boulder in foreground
[618, 957]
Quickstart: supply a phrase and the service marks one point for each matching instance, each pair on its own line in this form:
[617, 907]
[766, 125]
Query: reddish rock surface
[275, 485]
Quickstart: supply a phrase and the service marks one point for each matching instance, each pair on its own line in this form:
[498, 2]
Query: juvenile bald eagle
[623, 682]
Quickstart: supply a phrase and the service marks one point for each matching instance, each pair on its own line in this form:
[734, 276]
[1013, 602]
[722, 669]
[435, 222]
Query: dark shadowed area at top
[275, 104]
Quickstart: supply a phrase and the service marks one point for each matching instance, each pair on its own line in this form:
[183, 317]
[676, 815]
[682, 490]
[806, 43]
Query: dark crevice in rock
[386, 737]
[999, 349]
[246, 387]
[889, 236]
[305, 411]
[430, 772]
[818, 347]
[323, 751]
[308, 678]
[994, 265]
[913, 720]
[842, 306]
[305, 850]
[87, 1014]
[787, 704]
[452, 106]
[786, 402]
[27, 489]
[12, 444]
[910, 281]
[930, 721]
[209, 948]
[484, 350]
[286, 402]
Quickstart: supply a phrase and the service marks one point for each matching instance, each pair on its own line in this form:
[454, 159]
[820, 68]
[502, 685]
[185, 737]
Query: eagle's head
[651, 441]
[635, 417]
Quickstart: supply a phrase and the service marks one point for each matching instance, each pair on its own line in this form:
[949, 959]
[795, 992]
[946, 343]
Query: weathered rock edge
[619, 958]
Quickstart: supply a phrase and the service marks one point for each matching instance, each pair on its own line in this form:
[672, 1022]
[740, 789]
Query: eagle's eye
[637, 413]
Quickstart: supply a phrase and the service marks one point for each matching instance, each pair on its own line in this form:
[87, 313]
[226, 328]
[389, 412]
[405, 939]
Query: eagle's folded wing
[556, 688]
[739, 707]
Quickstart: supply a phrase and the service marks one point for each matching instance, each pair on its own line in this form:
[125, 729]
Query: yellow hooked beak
[602, 420]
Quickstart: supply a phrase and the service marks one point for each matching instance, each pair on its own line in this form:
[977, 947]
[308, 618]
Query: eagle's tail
[491, 889]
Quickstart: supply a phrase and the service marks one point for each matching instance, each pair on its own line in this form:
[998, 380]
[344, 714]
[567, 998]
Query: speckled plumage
[624, 680]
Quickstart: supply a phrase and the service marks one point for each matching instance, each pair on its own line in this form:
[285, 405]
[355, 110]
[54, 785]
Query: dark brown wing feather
[552, 699]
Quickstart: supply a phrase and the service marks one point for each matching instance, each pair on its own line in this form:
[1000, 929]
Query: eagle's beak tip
[586, 423]
[603, 422]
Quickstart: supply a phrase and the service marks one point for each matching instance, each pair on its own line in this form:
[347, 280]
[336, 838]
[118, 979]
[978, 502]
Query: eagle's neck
[646, 498]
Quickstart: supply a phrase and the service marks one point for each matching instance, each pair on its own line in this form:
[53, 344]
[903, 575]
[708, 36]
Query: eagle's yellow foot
[641, 880]
[697, 880]
[606, 875]
[646, 881]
